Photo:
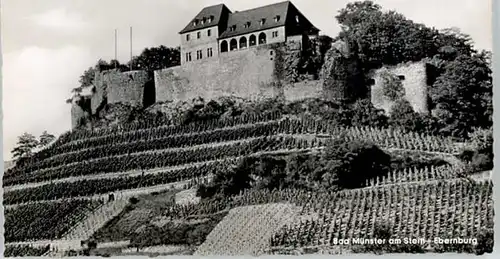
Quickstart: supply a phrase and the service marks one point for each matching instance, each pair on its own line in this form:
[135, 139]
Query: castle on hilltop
[216, 30]
[253, 54]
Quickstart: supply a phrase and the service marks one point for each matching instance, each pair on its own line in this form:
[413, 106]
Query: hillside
[83, 168]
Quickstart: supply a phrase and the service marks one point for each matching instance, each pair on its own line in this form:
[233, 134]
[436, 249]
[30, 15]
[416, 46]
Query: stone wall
[303, 89]
[127, 87]
[99, 92]
[113, 86]
[414, 84]
[248, 73]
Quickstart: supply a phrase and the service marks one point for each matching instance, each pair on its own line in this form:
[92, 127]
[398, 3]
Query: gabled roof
[214, 11]
[254, 17]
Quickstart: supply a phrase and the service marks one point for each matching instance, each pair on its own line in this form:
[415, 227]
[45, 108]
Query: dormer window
[247, 25]
[277, 18]
[232, 28]
[195, 22]
[262, 21]
[204, 20]
[297, 18]
[211, 18]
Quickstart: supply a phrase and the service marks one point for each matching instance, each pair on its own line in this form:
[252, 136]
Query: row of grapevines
[102, 186]
[454, 208]
[83, 136]
[145, 135]
[174, 128]
[179, 141]
[115, 147]
[388, 138]
[396, 138]
[25, 250]
[416, 175]
[143, 161]
[45, 221]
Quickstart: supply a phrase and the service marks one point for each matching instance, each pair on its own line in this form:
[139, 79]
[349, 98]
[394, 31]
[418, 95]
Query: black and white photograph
[247, 128]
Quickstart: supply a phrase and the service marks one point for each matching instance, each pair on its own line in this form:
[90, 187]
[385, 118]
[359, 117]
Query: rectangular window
[275, 34]
[210, 53]
[188, 56]
[209, 33]
[199, 54]
[198, 35]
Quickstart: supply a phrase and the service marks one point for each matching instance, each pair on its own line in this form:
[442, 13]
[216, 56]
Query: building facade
[216, 30]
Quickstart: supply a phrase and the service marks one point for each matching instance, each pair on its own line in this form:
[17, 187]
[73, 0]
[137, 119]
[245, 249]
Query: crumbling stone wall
[414, 80]
[343, 80]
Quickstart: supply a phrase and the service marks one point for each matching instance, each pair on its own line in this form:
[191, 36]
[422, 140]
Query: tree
[229, 182]
[403, 116]
[388, 38]
[463, 95]
[45, 139]
[271, 172]
[365, 114]
[156, 58]
[86, 79]
[25, 145]
[378, 37]
[304, 171]
[350, 163]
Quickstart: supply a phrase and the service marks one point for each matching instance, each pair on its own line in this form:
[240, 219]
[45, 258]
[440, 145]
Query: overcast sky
[47, 44]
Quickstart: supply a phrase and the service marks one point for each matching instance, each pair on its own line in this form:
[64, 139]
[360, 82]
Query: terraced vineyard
[61, 190]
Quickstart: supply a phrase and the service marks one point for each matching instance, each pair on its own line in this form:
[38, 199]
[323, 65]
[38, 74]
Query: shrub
[350, 163]
[363, 113]
[392, 86]
[229, 182]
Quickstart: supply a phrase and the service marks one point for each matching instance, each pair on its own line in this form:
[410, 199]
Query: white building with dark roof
[216, 30]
